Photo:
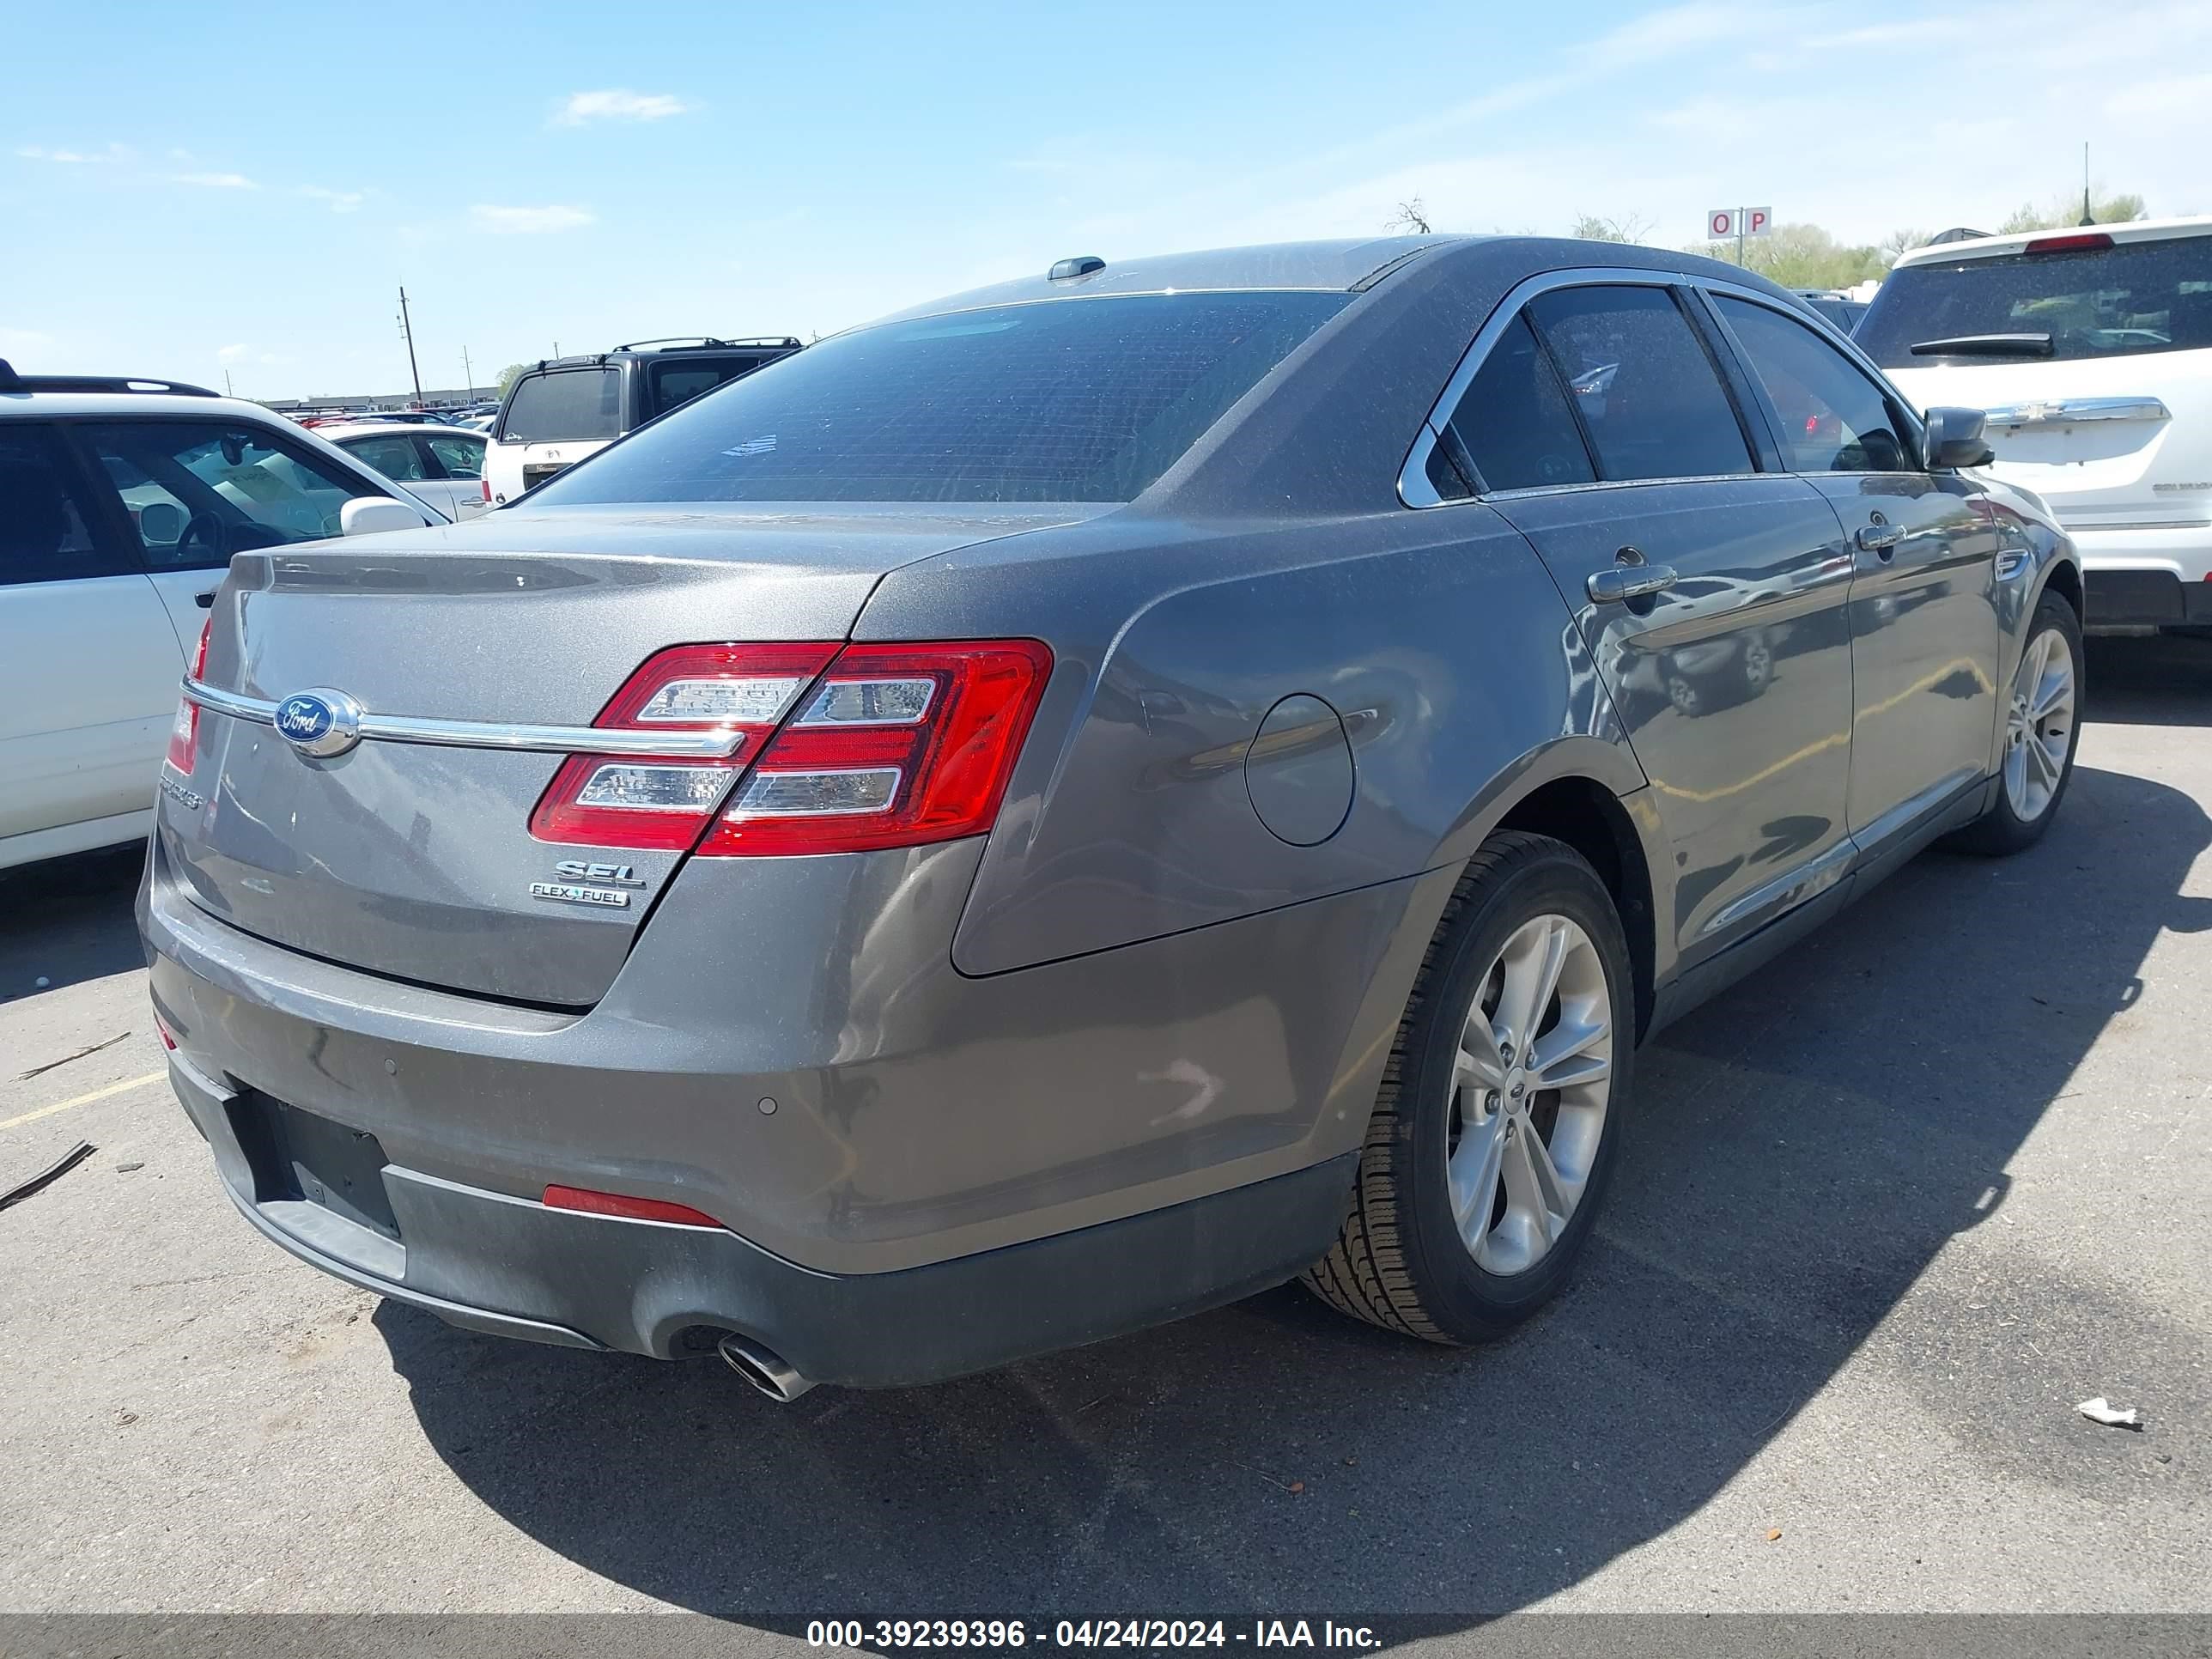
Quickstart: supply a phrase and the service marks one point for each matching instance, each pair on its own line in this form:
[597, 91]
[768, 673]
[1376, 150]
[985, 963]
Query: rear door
[1924, 626]
[88, 666]
[1601, 426]
[400, 457]
[456, 460]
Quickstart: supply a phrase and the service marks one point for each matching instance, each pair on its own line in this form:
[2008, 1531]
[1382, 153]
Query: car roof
[341, 435]
[135, 403]
[1331, 266]
[1992, 248]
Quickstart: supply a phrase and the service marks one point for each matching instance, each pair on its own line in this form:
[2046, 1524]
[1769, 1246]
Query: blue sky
[193, 190]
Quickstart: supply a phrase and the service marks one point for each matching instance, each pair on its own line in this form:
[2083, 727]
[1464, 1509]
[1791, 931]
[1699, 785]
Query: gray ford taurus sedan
[1082, 800]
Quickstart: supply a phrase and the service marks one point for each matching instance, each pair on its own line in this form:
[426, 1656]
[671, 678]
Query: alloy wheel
[1530, 1086]
[2039, 724]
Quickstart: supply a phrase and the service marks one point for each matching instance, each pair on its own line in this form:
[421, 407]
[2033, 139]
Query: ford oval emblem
[319, 722]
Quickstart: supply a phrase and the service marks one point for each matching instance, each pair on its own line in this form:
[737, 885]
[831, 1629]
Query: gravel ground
[1888, 1211]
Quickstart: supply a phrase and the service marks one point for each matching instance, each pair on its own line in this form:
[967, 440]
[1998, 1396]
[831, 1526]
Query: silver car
[1082, 800]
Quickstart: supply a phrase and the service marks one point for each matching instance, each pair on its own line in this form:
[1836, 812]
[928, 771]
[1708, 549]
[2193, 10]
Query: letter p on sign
[1757, 221]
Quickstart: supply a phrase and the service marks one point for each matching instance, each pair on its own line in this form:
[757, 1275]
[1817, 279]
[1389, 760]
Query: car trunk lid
[414, 859]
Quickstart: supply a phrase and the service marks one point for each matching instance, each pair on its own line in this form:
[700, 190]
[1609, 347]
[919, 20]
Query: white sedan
[442, 464]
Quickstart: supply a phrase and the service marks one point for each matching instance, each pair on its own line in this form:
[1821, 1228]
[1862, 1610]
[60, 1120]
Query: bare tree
[1898, 243]
[1412, 216]
[1631, 227]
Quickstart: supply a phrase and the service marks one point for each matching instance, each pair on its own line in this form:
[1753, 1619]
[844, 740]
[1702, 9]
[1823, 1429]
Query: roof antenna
[2087, 218]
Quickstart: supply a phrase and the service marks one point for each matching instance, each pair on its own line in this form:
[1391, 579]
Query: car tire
[1435, 1245]
[2042, 735]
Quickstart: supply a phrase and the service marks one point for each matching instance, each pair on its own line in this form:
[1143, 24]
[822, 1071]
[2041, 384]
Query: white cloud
[75, 157]
[214, 180]
[618, 104]
[529, 221]
[341, 201]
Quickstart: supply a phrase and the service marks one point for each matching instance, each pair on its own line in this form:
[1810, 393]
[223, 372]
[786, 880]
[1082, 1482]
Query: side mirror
[1954, 439]
[367, 515]
[160, 522]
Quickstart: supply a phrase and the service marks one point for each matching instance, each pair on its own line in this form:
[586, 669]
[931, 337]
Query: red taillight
[886, 745]
[630, 1209]
[898, 745]
[185, 730]
[2087, 239]
[486, 492]
[648, 801]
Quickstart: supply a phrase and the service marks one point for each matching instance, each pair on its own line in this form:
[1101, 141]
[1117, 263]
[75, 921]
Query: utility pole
[227, 391]
[407, 328]
[2087, 218]
[468, 376]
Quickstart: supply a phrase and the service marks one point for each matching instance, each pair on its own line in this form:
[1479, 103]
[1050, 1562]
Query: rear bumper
[953, 1172]
[509, 1266]
[2147, 578]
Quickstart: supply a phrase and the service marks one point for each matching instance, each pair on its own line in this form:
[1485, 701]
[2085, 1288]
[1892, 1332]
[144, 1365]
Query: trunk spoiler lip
[489, 734]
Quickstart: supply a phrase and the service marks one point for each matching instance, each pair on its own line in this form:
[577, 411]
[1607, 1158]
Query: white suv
[2091, 351]
[121, 503]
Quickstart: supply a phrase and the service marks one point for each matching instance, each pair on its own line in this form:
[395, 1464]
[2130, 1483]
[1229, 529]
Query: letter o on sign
[1722, 225]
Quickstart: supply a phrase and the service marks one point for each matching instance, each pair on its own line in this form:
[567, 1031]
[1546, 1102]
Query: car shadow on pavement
[1803, 1148]
[68, 921]
[2162, 681]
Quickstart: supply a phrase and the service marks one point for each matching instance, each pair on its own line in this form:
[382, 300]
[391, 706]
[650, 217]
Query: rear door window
[1641, 382]
[1830, 416]
[393, 456]
[2125, 300]
[1514, 425]
[566, 405]
[47, 523]
[458, 458]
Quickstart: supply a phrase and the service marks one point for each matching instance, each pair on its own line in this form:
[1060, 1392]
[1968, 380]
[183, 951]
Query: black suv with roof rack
[563, 409]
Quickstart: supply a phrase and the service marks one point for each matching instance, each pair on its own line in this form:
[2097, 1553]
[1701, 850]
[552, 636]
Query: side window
[199, 491]
[1647, 393]
[1830, 418]
[1514, 424]
[394, 457]
[568, 405]
[45, 523]
[461, 458]
[675, 383]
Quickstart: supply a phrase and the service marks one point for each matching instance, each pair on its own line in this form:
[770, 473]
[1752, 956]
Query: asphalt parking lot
[1888, 1211]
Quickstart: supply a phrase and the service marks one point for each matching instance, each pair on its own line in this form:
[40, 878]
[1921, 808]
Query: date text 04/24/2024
[1007, 1634]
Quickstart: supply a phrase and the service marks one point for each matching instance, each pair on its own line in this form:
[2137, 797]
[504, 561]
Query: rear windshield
[1071, 400]
[2117, 301]
[566, 406]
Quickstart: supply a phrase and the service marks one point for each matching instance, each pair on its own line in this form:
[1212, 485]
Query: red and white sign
[1724, 224]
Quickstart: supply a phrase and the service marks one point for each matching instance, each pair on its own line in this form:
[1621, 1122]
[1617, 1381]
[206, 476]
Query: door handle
[1628, 581]
[1879, 538]
[205, 601]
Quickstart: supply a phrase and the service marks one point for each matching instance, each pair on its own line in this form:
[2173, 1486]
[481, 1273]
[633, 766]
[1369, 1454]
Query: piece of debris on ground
[2101, 1410]
[68, 1160]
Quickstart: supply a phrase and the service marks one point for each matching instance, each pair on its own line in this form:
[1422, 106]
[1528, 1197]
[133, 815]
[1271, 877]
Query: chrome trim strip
[486, 734]
[2073, 411]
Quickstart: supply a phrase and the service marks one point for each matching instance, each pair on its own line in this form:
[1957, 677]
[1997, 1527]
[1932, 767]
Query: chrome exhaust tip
[766, 1370]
